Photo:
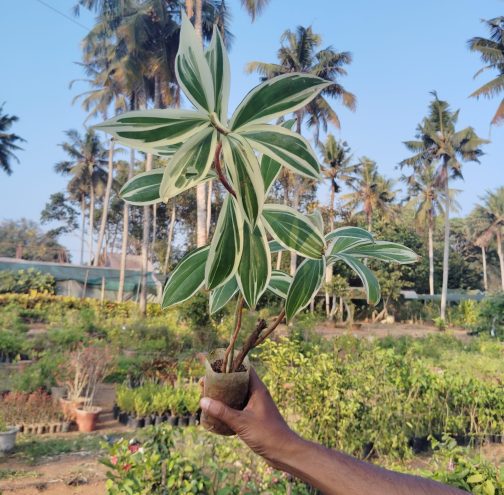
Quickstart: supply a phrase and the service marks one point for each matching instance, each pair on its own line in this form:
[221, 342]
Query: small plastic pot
[173, 420]
[123, 418]
[134, 422]
[230, 388]
[184, 421]
[158, 419]
[148, 421]
[193, 420]
[115, 411]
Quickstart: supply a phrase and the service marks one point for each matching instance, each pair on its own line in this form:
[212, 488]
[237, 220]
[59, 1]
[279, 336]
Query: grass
[33, 449]
[16, 474]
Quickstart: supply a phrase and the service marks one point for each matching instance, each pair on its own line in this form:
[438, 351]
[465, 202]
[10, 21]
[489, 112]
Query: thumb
[219, 410]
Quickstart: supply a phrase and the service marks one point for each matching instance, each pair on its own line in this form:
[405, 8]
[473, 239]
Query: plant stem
[255, 338]
[271, 328]
[226, 367]
[219, 171]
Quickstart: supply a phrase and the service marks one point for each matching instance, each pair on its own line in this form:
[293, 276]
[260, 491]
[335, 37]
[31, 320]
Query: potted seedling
[125, 402]
[7, 436]
[94, 363]
[159, 407]
[141, 410]
[206, 144]
[192, 402]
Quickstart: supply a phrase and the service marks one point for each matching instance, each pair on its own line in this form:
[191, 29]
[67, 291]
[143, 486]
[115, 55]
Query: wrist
[288, 453]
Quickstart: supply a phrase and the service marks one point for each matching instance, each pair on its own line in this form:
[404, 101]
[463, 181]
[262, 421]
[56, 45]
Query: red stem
[219, 171]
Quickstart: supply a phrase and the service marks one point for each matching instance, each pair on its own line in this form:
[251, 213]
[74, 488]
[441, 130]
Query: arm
[263, 429]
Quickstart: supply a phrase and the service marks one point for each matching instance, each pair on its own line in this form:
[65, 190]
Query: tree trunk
[124, 244]
[83, 228]
[169, 240]
[195, 7]
[446, 248]
[369, 221]
[329, 269]
[431, 258]
[145, 246]
[106, 201]
[293, 256]
[154, 229]
[485, 274]
[91, 221]
[499, 253]
[209, 208]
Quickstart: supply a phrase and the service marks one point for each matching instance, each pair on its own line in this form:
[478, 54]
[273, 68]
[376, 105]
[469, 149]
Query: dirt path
[381, 330]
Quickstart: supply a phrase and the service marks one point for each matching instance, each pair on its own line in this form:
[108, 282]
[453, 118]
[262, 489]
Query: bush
[26, 282]
[490, 317]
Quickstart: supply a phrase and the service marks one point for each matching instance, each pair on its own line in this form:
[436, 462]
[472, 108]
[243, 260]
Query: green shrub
[26, 282]
[490, 318]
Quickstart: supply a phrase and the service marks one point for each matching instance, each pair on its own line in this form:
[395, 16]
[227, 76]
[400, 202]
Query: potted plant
[125, 402]
[89, 366]
[192, 399]
[159, 406]
[7, 436]
[204, 144]
[141, 406]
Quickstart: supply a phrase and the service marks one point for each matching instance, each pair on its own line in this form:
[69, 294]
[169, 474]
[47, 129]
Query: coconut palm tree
[428, 198]
[298, 53]
[438, 142]
[491, 51]
[492, 211]
[8, 141]
[370, 192]
[87, 159]
[481, 234]
[338, 171]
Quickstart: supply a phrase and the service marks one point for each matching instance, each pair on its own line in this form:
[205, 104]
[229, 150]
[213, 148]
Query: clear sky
[402, 49]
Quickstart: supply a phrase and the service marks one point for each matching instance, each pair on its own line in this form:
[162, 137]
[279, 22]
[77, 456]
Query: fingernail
[205, 403]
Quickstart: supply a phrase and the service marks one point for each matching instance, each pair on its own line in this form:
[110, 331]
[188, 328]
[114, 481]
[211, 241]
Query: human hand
[260, 425]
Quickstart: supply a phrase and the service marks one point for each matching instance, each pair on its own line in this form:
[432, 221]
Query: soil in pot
[8, 440]
[230, 388]
[87, 418]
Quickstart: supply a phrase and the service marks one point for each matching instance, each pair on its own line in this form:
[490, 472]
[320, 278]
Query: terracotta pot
[68, 407]
[230, 388]
[86, 418]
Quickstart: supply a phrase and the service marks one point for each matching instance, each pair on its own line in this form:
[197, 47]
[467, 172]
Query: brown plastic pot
[87, 418]
[230, 388]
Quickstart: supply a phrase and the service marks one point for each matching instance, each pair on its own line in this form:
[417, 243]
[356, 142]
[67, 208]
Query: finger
[218, 410]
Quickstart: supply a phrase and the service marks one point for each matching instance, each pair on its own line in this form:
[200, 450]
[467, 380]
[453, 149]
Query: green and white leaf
[317, 220]
[368, 278]
[143, 189]
[384, 251]
[227, 245]
[355, 232]
[187, 278]
[245, 176]
[221, 295]
[270, 169]
[276, 97]
[293, 231]
[288, 148]
[280, 283]
[190, 165]
[275, 247]
[192, 70]
[151, 130]
[254, 271]
[218, 61]
[344, 245]
[305, 285]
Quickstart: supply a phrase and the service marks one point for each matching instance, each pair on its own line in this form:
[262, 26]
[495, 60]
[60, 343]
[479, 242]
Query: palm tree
[491, 51]
[493, 211]
[481, 233]
[298, 53]
[428, 198]
[254, 7]
[87, 159]
[8, 141]
[371, 192]
[438, 142]
[336, 155]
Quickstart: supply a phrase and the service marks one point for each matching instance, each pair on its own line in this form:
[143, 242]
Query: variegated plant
[203, 144]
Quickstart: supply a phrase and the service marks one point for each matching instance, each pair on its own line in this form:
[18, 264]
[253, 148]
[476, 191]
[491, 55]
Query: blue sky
[401, 49]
